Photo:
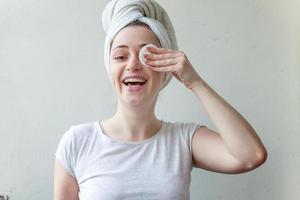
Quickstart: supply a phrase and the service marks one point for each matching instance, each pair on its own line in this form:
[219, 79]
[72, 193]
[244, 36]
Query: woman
[133, 154]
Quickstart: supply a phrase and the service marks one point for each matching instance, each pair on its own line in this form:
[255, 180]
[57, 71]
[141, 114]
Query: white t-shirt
[108, 169]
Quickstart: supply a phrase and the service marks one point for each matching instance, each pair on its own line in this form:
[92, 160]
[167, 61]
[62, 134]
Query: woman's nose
[134, 64]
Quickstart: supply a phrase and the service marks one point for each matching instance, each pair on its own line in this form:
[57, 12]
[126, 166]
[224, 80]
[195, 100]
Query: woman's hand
[168, 60]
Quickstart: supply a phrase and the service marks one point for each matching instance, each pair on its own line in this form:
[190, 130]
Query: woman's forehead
[135, 35]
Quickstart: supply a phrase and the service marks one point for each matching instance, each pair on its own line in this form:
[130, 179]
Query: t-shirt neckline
[101, 132]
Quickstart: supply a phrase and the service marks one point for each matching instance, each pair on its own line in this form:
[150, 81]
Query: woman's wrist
[198, 85]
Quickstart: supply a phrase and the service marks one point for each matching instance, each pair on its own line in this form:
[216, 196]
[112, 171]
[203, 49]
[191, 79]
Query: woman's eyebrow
[120, 46]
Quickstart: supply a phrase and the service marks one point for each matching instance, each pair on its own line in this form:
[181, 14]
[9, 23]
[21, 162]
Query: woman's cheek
[115, 76]
[112, 74]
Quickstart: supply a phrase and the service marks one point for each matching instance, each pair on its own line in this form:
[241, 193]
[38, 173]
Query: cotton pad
[144, 51]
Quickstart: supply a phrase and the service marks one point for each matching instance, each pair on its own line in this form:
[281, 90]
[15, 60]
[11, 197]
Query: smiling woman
[133, 154]
[125, 66]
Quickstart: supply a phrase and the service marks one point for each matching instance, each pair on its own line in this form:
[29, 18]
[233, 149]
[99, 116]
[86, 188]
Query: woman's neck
[133, 124]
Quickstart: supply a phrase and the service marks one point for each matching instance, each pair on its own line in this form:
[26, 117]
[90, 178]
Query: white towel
[119, 13]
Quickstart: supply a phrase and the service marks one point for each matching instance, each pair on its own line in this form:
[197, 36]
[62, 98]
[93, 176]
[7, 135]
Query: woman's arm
[235, 148]
[65, 186]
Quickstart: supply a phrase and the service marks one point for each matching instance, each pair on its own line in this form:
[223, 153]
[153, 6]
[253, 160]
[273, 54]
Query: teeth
[140, 80]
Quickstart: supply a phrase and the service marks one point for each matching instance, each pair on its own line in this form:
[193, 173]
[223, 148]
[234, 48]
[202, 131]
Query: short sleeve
[188, 130]
[65, 152]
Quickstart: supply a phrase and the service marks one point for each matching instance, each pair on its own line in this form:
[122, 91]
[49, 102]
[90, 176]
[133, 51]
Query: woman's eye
[119, 58]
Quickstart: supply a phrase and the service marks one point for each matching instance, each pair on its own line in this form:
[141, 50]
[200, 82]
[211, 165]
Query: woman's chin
[134, 99]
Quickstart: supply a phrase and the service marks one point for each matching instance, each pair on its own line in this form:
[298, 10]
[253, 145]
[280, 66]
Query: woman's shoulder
[80, 130]
[84, 126]
[180, 124]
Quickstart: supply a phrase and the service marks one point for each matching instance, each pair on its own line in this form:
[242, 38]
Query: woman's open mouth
[134, 84]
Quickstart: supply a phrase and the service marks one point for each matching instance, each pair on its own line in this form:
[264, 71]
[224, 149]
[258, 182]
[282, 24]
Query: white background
[52, 76]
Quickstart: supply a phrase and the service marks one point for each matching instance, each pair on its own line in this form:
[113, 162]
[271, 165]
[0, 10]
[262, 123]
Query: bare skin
[234, 148]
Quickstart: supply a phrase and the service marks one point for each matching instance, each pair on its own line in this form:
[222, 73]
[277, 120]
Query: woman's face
[124, 62]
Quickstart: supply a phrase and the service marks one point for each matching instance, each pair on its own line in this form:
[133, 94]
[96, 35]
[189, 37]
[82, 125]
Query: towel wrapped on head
[119, 13]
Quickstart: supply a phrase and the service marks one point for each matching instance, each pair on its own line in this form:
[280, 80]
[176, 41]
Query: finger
[151, 56]
[163, 69]
[161, 63]
[160, 50]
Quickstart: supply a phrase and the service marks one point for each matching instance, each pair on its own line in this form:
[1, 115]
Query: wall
[52, 76]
